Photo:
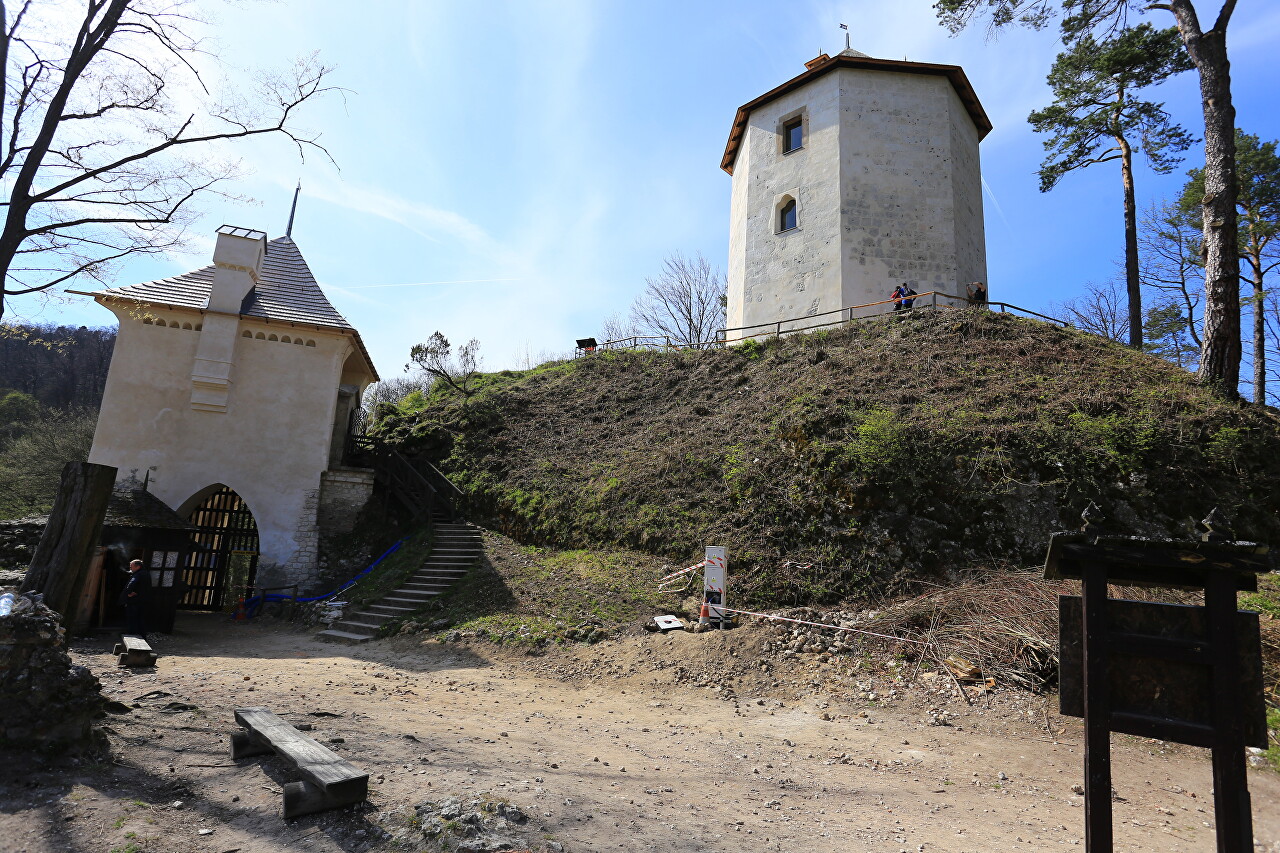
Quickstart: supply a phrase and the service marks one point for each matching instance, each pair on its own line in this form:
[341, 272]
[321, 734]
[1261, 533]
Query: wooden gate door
[226, 552]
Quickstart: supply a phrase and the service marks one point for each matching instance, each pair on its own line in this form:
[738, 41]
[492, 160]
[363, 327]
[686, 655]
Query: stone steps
[457, 548]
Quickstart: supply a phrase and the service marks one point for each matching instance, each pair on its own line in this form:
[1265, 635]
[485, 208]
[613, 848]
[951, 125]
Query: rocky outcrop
[48, 703]
[18, 540]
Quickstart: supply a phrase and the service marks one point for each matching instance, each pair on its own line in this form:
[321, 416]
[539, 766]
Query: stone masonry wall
[343, 493]
[18, 540]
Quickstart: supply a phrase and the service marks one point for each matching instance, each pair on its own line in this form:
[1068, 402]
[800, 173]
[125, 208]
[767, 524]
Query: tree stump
[70, 541]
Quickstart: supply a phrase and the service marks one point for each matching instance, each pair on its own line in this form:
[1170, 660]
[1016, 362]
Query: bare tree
[684, 302]
[436, 358]
[101, 150]
[1170, 242]
[1103, 309]
[616, 327]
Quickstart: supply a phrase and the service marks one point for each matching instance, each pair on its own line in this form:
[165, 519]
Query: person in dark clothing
[134, 597]
[908, 296]
[977, 293]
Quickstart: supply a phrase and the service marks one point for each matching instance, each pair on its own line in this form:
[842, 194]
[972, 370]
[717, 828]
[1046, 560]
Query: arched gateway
[225, 558]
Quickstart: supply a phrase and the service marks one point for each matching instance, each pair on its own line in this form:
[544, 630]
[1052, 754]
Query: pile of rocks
[477, 824]
[18, 540]
[47, 702]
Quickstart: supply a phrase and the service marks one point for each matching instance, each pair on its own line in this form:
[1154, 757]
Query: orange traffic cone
[704, 615]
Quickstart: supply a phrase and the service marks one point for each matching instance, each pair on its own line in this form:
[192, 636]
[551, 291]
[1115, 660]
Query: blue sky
[546, 156]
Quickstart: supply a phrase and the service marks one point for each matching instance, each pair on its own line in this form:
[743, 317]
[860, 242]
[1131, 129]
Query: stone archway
[224, 561]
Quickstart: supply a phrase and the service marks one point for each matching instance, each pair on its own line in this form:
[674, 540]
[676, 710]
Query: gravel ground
[611, 746]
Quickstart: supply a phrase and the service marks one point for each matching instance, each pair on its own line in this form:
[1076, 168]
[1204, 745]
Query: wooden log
[244, 744]
[89, 592]
[71, 538]
[304, 798]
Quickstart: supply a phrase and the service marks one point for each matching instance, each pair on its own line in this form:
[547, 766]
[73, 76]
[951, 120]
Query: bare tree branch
[685, 302]
[103, 156]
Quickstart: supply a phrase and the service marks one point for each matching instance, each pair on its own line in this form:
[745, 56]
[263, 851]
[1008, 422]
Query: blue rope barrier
[252, 604]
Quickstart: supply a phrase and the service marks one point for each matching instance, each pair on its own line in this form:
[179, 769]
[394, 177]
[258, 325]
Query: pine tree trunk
[1259, 338]
[1220, 354]
[1131, 277]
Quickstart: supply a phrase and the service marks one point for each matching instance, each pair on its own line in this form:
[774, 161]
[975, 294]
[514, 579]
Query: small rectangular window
[792, 136]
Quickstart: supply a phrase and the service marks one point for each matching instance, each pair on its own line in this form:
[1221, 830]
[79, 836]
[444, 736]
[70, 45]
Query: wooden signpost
[1179, 673]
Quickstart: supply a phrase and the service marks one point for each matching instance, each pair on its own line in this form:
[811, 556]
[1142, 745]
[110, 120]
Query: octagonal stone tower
[848, 180]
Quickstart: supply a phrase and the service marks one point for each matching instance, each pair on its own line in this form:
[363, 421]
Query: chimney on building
[237, 257]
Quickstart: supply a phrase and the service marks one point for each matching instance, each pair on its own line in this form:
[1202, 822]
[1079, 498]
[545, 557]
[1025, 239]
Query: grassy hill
[855, 461]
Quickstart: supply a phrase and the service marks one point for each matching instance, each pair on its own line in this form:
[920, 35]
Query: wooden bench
[134, 651]
[329, 781]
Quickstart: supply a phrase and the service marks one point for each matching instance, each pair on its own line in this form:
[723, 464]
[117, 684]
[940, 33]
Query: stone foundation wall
[343, 493]
[48, 703]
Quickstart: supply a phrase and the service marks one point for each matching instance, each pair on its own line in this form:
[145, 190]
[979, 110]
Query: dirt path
[599, 745]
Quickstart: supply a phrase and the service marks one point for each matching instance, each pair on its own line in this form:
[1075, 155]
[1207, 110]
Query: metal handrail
[775, 326]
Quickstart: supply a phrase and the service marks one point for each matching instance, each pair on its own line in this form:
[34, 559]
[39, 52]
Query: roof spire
[288, 230]
[847, 45]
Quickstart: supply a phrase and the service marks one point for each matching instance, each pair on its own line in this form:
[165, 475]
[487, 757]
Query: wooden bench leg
[304, 798]
[243, 745]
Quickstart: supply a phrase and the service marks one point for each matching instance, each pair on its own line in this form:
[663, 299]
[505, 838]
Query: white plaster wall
[794, 273]
[966, 188]
[889, 186]
[737, 270]
[271, 445]
[896, 183]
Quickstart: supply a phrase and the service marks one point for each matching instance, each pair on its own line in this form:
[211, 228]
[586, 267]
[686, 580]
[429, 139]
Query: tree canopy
[1097, 117]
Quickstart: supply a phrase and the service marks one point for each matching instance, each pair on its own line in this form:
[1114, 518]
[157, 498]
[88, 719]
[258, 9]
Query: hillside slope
[858, 460]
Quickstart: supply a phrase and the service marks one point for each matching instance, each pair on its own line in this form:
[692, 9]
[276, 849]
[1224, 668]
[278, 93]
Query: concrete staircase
[456, 549]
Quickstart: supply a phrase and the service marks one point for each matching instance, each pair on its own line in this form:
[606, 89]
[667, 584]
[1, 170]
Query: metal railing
[842, 316]
[418, 484]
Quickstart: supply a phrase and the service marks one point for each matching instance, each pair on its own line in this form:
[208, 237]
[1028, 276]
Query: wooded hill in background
[51, 383]
[62, 367]
[858, 461]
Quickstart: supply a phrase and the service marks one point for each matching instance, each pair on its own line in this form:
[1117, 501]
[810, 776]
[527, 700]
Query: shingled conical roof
[286, 292]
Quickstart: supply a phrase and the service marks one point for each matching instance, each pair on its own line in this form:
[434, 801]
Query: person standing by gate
[134, 598]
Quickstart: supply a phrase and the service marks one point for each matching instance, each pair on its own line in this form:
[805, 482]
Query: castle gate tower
[230, 393]
[848, 180]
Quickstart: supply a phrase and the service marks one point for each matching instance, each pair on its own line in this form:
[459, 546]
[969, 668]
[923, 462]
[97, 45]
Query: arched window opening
[186, 326]
[310, 342]
[272, 338]
[199, 327]
[147, 321]
[787, 215]
[246, 334]
[260, 337]
[297, 341]
[285, 340]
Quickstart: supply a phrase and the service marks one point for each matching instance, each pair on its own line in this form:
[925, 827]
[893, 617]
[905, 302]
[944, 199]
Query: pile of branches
[1005, 624]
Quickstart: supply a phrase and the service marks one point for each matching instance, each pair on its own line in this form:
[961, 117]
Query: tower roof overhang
[954, 73]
